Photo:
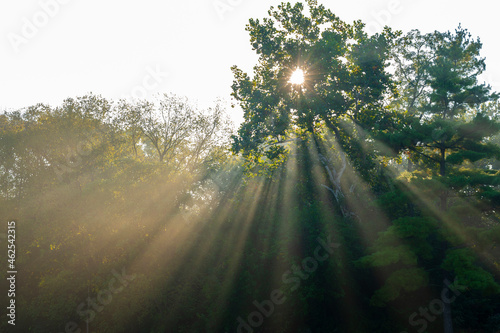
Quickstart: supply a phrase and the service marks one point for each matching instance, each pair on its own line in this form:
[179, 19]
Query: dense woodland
[365, 199]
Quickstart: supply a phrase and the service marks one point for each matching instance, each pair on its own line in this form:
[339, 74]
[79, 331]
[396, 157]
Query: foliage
[362, 194]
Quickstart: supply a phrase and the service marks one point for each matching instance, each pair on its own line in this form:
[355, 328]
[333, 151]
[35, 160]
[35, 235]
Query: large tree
[442, 125]
[345, 80]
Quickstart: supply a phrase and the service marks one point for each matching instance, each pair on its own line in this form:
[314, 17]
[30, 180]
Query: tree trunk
[134, 145]
[447, 318]
[335, 177]
[442, 163]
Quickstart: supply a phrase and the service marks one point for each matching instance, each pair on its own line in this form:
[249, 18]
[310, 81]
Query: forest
[359, 194]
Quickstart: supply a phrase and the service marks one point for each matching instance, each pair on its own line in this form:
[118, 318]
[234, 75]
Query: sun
[297, 77]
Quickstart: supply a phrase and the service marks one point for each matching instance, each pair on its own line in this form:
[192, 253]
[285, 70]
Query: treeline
[90, 183]
[364, 199]
[42, 146]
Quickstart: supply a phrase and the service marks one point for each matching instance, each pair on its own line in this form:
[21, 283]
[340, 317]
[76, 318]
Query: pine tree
[441, 125]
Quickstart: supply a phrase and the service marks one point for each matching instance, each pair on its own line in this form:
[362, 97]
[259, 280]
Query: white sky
[110, 47]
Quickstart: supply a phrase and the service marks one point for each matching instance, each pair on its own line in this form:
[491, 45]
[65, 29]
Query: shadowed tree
[345, 80]
[441, 124]
[167, 125]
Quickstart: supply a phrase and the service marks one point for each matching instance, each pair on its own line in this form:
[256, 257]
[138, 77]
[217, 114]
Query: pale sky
[54, 49]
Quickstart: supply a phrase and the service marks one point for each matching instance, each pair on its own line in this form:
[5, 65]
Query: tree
[212, 129]
[128, 117]
[180, 134]
[440, 126]
[410, 55]
[345, 82]
[62, 228]
[166, 125]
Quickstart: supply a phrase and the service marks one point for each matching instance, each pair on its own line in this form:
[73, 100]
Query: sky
[51, 50]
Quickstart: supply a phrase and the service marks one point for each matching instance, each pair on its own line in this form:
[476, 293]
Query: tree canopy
[360, 193]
